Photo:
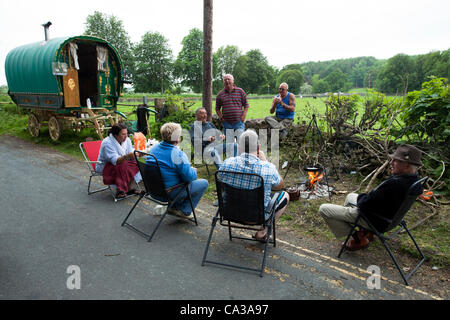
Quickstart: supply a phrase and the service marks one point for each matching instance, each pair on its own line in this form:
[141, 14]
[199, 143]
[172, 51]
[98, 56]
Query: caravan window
[59, 68]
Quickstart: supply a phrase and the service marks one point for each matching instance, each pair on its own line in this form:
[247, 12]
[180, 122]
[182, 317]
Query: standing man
[232, 107]
[284, 105]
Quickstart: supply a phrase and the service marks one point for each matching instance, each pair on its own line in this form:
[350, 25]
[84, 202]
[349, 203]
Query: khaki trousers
[339, 217]
[278, 123]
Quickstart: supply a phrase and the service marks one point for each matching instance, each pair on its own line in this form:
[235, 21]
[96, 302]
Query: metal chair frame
[157, 181]
[232, 222]
[397, 220]
[91, 163]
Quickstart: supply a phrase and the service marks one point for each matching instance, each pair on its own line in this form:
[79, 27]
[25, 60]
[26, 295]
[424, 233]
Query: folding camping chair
[413, 192]
[156, 191]
[242, 209]
[90, 151]
[195, 155]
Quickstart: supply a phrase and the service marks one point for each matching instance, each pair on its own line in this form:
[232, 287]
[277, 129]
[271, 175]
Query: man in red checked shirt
[232, 107]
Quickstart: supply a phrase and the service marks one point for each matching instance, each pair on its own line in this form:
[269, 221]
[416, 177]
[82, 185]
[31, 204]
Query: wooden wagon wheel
[33, 125]
[54, 128]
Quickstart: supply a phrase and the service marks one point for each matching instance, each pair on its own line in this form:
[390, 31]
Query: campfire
[315, 175]
[313, 187]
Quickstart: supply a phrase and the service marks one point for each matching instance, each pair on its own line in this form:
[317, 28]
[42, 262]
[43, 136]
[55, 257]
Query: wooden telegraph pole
[207, 56]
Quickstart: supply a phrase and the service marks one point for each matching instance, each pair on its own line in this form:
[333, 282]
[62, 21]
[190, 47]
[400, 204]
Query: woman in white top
[118, 165]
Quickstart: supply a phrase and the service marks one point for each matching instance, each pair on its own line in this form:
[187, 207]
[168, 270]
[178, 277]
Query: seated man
[118, 165]
[176, 169]
[203, 133]
[253, 160]
[383, 201]
[284, 105]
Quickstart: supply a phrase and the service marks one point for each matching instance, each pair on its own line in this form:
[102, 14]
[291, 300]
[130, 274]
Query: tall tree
[110, 28]
[154, 63]
[241, 72]
[398, 75]
[188, 65]
[292, 74]
[336, 80]
[259, 74]
[226, 60]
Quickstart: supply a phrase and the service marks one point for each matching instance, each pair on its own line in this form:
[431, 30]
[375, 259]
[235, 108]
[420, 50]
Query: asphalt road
[51, 231]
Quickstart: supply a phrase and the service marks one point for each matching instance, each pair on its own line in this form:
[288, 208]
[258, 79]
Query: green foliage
[336, 80]
[184, 117]
[189, 63]
[226, 58]
[110, 28]
[398, 75]
[257, 73]
[427, 119]
[341, 110]
[3, 90]
[427, 112]
[178, 113]
[378, 110]
[319, 85]
[293, 77]
[154, 63]
[306, 89]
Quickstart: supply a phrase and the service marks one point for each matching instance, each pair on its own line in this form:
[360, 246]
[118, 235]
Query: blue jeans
[238, 129]
[197, 188]
[217, 151]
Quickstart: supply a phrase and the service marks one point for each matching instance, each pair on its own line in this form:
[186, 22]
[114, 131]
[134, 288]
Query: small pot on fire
[315, 175]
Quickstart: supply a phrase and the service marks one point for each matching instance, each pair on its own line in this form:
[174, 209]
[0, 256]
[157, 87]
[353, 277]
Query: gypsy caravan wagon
[70, 82]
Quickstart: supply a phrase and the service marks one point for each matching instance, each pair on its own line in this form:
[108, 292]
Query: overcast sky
[289, 31]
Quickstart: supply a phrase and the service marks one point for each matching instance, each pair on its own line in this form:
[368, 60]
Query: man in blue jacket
[176, 168]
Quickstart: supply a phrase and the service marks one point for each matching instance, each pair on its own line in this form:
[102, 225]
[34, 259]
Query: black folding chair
[242, 209]
[414, 191]
[204, 163]
[155, 190]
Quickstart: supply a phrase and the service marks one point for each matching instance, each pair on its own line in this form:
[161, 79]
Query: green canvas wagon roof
[29, 68]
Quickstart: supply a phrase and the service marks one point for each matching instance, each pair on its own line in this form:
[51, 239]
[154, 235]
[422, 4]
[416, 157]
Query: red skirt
[120, 174]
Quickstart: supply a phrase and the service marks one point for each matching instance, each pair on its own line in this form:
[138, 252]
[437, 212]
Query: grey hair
[229, 75]
[284, 83]
[170, 132]
[248, 141]
[198, 110]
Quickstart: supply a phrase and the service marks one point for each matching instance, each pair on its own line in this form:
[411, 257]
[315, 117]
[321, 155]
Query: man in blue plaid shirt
[253, 160]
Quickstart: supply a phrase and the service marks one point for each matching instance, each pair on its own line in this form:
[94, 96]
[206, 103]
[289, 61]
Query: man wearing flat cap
[383, 201]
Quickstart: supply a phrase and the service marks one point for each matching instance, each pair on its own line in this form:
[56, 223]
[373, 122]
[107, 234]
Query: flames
[314, 178]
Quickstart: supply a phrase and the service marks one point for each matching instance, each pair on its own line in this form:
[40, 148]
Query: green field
[259, 108]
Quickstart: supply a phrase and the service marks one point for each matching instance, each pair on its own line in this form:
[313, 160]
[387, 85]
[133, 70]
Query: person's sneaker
[283, 133]
[159, 210]
[177, 213]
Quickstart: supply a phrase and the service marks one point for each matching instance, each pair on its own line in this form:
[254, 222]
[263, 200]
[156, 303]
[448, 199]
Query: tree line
[152, 67]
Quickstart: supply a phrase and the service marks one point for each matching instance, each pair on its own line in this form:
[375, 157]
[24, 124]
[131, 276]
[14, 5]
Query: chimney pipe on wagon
[46, 27]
